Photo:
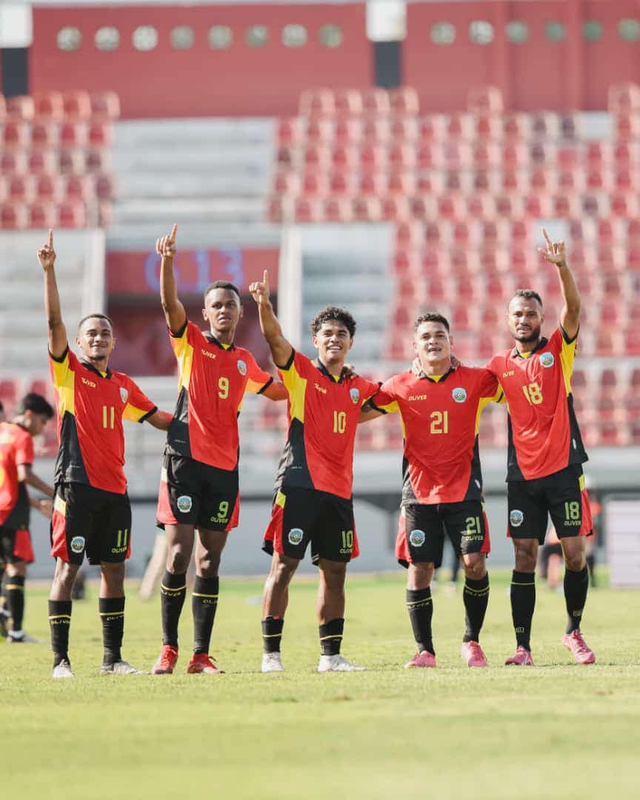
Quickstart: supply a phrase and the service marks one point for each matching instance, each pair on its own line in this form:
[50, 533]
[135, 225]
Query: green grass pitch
[558, 730]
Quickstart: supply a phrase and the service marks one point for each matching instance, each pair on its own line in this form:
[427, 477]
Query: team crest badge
[295, 535]
[516, 518]
[184, 503]
[242, 367]
[124, 394]
[77, 544]
[459, 394]
[417, 538]
[547, 359]
[355, 395]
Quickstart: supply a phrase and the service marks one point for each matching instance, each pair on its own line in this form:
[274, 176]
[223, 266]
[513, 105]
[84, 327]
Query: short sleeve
[137, 407]
[384, 399]
[258, 379]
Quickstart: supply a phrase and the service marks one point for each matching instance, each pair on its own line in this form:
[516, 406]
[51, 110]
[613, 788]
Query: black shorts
[15, 546]
[561, 495]
[300, 516]
[422, 528]
[193, 493]
[90, 521]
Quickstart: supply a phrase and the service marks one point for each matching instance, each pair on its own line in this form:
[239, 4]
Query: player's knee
[177, 561]
[575, 563]
[475, 569]
[208, 565]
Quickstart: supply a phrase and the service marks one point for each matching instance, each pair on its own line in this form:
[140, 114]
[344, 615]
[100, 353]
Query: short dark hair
[336, 314]
[95, 316]
[220, 285]
[35, 403]
[527, 294]
[431, 316]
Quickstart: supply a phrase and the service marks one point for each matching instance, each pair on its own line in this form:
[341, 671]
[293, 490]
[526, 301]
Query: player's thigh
[114, 539]
[333, 534]
[568, 507]
[528, 510]
[180, 490]
[218, 500]
[76, 512]
[294, 514]
[466, 526]
[423, 532]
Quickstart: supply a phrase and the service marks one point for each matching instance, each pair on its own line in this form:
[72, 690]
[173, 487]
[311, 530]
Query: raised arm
[57, 331]
[556, 253]
[281, 349]
[173, 309]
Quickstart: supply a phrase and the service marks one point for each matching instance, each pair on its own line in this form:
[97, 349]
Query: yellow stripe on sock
[199, 594]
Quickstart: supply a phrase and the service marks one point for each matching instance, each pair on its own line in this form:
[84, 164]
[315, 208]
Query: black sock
[523, 603]
[204, 604]
[173, 590]
[15, 600]
[420, 608]
[576, 585]
[331, 637]
[272, 634]
[59, 624]
[112, 616]
[591, 563]
[476, 599]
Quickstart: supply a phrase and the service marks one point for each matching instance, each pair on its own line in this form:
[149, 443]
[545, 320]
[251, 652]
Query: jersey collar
[542, 343]
[321, 367]
[91, 368]
[212, 340]
[423, 376]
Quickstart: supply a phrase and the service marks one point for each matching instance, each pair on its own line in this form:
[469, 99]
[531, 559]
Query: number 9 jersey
[544, 436]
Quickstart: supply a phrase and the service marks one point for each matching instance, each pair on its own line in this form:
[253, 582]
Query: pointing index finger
[174, 230]
[265, 278]
[546, 236]
[50, 240]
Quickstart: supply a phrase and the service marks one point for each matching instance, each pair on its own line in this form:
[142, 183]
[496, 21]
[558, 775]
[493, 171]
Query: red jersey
[91, 407]
[543, 431]
[440, 423]
[323, 418]
[16, 447]
[213, 382]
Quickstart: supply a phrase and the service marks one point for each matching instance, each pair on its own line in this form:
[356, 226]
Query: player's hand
[47, 255]
[166, 245]
[259, 290]
[556, 252]
[45, 507]
[349, 371]
[416, 368]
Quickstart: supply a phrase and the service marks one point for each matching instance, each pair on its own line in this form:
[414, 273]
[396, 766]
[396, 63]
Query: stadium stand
[467, 193]
[55, 167]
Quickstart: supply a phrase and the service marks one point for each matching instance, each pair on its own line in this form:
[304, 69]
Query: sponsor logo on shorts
[516, 518]
[184, 503]
[355, 395]
[547, 360]
[77, 544]
[242, 367]
[124, 394]
[417, 538]
[295, 535]
[459, 394]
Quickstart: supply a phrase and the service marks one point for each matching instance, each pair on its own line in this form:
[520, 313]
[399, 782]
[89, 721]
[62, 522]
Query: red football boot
[582, 653]
[166, 660]
[202, 663]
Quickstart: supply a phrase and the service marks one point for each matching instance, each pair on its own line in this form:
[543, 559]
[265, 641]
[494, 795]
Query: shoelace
[580, 644]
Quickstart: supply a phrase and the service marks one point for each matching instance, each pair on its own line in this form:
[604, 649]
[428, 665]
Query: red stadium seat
[623, 97]
[20, 107]
[538, 206]
[516, 127]
[100, 133]
[509, 205]
[458, 155]
[43, 162]
[424, 207]
[515, 180]
[71, 162]
[598, 179]
[105, 105]
[480, 206]
[348, 103]
[319, 130]
[485, 100]
[376, 101]
[80, 187]
[486, 155]
[566, 205]
[317, 102]
[430, 182]
[409, 235]
[348, 131]
[429, 156]
[367, 209]
[343, 182]
[275, 209]
[286, 182]
[395, 209]
[315, 183]
[16, 135]
[337, 209]
[77, 106]
[42, 214]
[13, 216]
[460, 126]
[404, 129]
[403, 183]
[486, 181]
[457, 181]
[451, 207]
[402, 155]
[9, 391]
[544, 125]
[50, 187]
[404, 100]
[626, 126]
[372, 157]
[44, 135]
[308, 209]
[72, 214]
[625, 204]
[289, 130]
[345, 158]
[488, 127]
[287, 155]
[372, 183]
[12, 162]
[432, 128]
[74, 134]
[48, 106]
[22, 188]
[376, 130]
[317, 156]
